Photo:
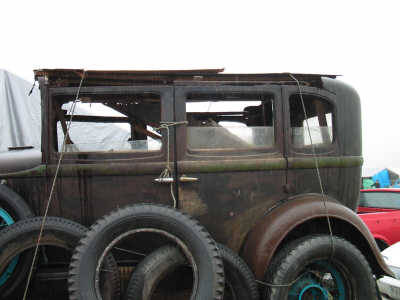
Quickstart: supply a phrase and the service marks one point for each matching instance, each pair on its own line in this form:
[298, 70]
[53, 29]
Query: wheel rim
[320, 280]
[6, 220]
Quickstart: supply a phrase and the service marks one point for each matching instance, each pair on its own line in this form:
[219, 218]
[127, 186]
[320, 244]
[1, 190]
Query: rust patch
[191, 203]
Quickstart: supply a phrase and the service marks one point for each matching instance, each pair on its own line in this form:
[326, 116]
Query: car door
[230, 162]
[321, 116]
[115, 151]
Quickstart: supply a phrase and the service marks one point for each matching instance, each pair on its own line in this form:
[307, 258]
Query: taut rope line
[72, 110]
[316, 164]
[320, 185]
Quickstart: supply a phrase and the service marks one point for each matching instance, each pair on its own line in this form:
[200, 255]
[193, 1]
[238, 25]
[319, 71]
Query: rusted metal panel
[86, 198]
[229, 204]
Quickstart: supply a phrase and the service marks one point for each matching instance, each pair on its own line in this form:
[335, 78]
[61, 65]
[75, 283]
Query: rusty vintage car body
[239, 153]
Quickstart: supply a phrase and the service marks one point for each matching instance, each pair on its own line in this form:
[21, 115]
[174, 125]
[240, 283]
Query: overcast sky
[357, 39]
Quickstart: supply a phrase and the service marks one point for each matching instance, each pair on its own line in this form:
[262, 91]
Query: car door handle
[164, 180]
[171, 180]
[184, 178]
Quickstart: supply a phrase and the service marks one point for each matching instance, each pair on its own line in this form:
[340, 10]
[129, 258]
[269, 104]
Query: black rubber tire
[14, 204]
[59, 232]
[182, 227]
[17, 208]
[238, 275]
[293, 259]
[151, 270]
[156, 266]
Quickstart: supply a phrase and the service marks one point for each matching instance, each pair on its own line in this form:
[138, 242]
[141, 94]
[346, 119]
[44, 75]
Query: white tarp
[20, 118]
[20, 114]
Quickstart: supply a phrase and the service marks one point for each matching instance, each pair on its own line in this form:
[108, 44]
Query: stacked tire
[239, 280]
[58, 233]
[19, 232]
[188, 245]
[179, 229]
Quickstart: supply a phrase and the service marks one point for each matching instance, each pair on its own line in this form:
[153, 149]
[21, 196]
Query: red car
[380, 210]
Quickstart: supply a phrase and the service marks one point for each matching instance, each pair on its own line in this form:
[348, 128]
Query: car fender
[278, 223]
[382, 225]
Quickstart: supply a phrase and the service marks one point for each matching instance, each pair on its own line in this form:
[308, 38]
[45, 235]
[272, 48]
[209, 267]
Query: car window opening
[319, 116]
[229, 121]
[123, 123]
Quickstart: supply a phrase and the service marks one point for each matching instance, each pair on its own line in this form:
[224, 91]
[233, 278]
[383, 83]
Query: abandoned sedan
[269, 164]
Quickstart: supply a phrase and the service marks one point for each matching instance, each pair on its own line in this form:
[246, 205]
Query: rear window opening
[319, 114]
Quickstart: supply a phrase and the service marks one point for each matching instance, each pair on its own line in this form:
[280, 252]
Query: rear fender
[306, 214]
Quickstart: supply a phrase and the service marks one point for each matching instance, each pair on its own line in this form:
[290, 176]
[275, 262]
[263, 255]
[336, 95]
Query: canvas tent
[386, 178]
[20, 118]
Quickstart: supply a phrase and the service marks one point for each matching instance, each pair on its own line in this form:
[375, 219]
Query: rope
[72, 110]
[280, 285]
[167, 173]
[320, 185]
[316, 165]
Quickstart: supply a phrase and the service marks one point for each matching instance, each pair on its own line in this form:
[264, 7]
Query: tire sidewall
[14, 204]
[58, 232]
[186, 230]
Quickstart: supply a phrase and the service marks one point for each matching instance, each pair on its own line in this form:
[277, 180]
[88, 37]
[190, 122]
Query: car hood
[19, 160]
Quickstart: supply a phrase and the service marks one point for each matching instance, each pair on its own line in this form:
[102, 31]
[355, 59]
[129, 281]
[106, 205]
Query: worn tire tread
[122, 213]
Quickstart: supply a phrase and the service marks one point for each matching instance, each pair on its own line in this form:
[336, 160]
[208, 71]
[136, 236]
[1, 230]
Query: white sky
[358, 39]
